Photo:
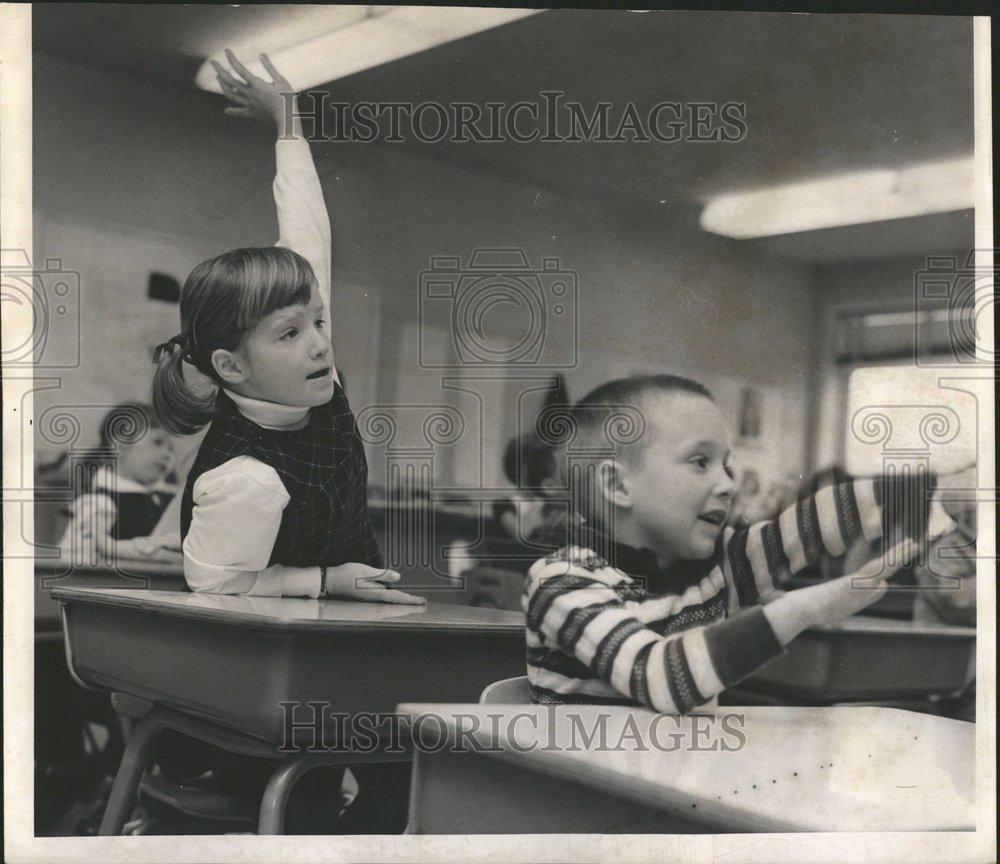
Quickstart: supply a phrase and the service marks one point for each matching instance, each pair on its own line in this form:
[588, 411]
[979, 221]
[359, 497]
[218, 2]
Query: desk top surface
[772, 769]
[892, 627]
[295, 613]
[123, 567]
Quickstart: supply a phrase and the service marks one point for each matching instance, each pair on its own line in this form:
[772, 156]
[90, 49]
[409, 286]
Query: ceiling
[824, 94]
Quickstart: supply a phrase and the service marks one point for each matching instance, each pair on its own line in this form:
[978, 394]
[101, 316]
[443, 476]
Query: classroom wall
[130, 178]
[164, 180]
[654, 292]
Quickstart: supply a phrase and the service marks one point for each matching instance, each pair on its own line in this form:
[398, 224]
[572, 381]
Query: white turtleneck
[238, 505]
[270, 415]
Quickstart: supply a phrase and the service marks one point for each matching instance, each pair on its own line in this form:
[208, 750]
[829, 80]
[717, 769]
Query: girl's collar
[270, 415]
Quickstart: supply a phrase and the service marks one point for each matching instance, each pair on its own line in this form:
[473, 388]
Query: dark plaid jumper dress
[324, 471]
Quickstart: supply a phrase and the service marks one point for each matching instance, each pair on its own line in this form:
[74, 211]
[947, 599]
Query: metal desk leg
[279, 787]
[130, 771]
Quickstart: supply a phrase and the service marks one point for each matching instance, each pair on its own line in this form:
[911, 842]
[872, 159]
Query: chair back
[509, 691]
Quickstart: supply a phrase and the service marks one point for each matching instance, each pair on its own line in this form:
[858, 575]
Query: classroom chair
[509, 691]
[192, 800]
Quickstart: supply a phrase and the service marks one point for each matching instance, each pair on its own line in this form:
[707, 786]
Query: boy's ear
[613, 482]
[228, 366]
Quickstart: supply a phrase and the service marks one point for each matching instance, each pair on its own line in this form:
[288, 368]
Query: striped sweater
[598, 633]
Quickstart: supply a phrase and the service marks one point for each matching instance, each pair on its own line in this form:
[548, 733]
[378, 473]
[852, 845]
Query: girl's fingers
[269, 66]
[391, 595]
[387, 576]
[234, 95]
[276, 76]
[239, 67]
[226, 79]
[369, 573]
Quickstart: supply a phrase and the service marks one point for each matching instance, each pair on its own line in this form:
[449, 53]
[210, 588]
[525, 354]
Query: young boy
[659, 602]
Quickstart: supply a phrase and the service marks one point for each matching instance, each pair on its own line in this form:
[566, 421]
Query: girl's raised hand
[252, 96]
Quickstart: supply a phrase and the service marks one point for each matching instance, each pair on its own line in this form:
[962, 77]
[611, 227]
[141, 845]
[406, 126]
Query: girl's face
[149, 459]
[287, 358]
[682, 489]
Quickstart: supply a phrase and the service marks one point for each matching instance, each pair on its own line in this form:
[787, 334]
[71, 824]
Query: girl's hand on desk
[361, 582]
[252, 96]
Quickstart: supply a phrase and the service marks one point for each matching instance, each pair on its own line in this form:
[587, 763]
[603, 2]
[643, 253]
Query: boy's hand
[252, 96]
[361, 582]
[839, 598]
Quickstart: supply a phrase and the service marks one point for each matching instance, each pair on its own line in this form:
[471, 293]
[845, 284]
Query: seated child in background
[948, 576]
[535, 516]
[661, 603]
[124, 492]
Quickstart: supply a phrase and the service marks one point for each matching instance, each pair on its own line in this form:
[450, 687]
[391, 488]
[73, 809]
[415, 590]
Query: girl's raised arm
[303, 220]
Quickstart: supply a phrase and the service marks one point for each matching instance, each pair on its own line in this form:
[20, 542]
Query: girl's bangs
[273, 278]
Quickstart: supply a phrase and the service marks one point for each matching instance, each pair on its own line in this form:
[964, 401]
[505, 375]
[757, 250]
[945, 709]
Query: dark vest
[324, 470]
[138, 512]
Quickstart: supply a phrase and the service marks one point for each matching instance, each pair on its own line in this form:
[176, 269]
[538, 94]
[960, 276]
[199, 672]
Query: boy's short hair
[610, 421]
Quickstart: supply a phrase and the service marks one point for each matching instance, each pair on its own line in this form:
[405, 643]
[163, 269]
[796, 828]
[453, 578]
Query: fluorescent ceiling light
[385, 33]
[848, 199]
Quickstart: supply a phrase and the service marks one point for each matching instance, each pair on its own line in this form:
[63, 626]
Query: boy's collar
[633, 560]
[643, 562]
[270, 415]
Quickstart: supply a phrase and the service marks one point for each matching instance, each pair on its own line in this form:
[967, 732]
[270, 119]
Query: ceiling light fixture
[848, 199]
[385, 34]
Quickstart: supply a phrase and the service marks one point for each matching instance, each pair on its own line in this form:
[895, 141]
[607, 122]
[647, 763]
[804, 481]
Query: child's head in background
[670, 488]
[252, 321]
[144, 449]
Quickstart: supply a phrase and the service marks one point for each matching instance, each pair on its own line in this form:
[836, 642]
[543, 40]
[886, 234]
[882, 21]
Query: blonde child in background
[125, 491]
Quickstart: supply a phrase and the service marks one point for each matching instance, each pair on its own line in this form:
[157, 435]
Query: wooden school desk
[56, 573]
[218, 667]
[64, 711]
[867, 659]
[797, 769]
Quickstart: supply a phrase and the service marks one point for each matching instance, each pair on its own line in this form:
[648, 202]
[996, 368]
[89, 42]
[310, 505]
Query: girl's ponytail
[179, 409]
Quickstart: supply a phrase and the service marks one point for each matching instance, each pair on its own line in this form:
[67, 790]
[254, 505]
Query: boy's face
[287, 358]
[679, 488]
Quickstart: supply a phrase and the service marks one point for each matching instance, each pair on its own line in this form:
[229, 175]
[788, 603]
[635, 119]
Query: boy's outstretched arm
[590, 636]
[587, 638]
[303, 219]
[760, 559]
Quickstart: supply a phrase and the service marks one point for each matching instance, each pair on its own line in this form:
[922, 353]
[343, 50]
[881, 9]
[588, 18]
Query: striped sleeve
[762, 558]
[582, 613]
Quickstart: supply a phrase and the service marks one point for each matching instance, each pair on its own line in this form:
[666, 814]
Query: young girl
[276, 501]
[122, 503]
